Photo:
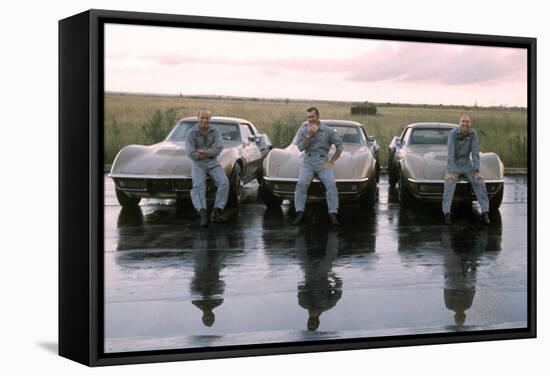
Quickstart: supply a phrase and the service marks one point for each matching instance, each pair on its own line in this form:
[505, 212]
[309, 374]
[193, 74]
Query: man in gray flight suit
[462, 142]
[315, 139]
[203, 144]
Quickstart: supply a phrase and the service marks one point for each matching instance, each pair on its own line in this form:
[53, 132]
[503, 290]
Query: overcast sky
[165, 60]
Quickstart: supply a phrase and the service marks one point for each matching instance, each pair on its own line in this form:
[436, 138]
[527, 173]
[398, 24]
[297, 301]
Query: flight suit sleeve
[451, 165]
[216, 149]
[336, 140]
[300, 139]
[190, 145]
[475, 150]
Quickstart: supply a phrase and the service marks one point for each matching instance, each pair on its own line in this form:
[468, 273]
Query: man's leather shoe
[299, 218]
[217, 215]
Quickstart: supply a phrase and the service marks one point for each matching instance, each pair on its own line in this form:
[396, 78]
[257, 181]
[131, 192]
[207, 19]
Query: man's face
[465, 124]
[312, 117]
[204, 118]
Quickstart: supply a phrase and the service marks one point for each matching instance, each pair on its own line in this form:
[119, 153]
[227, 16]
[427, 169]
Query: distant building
[364, 108]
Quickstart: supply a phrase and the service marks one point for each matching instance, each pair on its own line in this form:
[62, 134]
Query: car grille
[462, 190]
[158, 186]
[131, 184]
[183, 185]
[317, 188]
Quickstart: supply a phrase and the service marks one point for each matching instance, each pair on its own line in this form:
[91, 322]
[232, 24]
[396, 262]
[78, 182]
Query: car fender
[273, 162]
[228, 157]
[412, 166]
[490, 166]
[126, 154]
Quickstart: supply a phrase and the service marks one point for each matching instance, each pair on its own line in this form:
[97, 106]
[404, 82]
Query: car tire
[405, 196]
[368, 199]
[126, 201]
[235, 186]
[495, 202]
[393, 177]
[259, 176]
[269, 199]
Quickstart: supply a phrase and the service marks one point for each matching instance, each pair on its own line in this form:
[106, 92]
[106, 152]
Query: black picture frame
[81, 185]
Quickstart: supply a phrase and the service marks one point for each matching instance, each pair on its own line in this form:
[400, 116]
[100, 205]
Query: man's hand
[477, 175]
[328, 164]
[313, 128]
[202, 154]
[450, 175]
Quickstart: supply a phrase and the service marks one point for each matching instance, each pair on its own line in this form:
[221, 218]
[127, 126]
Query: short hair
[203, 110]
[464, 115]
[313, 109]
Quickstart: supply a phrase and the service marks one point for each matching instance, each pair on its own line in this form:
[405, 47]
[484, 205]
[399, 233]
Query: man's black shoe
[448, 220]
[299, 218]
[333, 219]
[204, 217]
[485, 218]
[217, 216]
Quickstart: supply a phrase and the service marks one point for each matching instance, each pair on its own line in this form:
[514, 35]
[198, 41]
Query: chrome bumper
[156, 186]
[347, 188]
[432, 189]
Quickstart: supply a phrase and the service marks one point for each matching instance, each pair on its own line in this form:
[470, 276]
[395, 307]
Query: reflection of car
[163, 170]
[418, 163]
[356, 172]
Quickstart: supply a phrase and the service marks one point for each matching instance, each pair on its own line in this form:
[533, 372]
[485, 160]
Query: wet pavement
[257, 279]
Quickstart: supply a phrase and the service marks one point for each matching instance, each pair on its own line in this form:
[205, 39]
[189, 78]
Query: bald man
[203, 144]
[461, 143]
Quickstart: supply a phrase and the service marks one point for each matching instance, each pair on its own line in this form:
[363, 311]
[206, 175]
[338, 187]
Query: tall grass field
[143, 119]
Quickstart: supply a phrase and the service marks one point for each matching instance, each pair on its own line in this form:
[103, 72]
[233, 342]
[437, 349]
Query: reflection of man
[207, 283]
[203, 144]
[321, 288]
[462, 142]
[315, 139]
[461, 261]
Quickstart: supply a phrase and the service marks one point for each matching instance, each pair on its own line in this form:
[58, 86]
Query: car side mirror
[371, 138]
[399, 142]
[252, 138]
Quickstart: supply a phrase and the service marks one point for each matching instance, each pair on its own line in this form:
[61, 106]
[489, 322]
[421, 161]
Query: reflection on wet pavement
[258, 279]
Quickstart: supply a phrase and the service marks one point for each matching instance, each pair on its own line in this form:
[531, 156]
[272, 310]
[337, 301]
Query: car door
[251, 152]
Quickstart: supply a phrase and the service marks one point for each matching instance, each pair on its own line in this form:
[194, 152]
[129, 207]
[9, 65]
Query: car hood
[350, 164]
[430, 159]
[164, 158]
[430, 162]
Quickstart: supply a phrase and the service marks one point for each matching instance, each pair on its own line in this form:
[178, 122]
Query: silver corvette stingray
[418, 161]
[356, 172]
[163, 170]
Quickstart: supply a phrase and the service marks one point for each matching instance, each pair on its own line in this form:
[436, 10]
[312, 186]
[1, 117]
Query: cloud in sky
[400, 62]
[193, 61]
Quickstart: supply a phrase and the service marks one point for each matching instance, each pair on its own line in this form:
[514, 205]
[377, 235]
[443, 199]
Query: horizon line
[220, 96]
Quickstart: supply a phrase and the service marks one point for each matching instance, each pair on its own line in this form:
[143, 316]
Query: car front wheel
[405, 196]
[126, 201]
[368, 199]
[269, 199]
[235, 186]
[495, 202]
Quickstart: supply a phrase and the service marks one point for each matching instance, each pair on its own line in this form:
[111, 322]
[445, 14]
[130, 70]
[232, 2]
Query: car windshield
[230, 132]
[436, 136]
[349, 134]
